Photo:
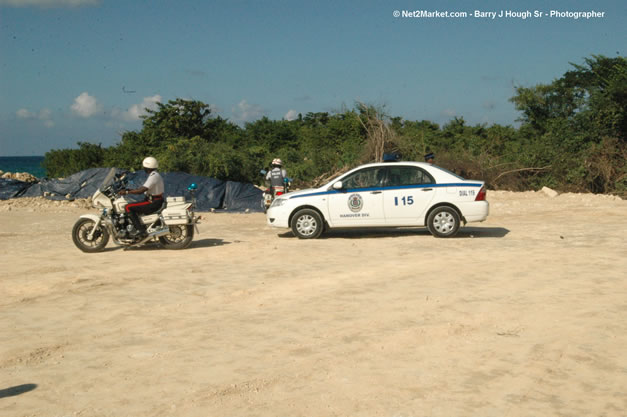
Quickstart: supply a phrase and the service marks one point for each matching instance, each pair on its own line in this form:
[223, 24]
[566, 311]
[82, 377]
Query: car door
[407, 195]
[360, 200]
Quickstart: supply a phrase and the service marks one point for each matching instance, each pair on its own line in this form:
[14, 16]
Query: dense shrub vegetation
[572, 137]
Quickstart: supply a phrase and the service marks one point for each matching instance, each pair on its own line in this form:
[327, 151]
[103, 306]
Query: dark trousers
[145, 207]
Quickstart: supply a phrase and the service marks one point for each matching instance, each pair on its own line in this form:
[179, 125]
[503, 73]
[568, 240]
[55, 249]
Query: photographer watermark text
[498, 14]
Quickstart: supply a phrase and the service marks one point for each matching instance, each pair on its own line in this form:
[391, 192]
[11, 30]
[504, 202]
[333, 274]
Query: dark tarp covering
[12, 188]
[210, 194]
[80, 185]
[241, 197]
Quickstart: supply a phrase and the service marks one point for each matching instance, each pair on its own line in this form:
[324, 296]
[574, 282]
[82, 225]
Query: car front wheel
[443, 222]
[307, 224]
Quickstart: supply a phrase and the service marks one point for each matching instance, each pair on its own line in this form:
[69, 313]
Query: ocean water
[30, 164]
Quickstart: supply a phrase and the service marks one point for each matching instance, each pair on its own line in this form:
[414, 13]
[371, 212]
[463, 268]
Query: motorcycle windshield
[108, 179]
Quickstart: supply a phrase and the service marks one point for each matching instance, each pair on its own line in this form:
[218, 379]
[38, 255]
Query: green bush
[572, 137]
[64, 162]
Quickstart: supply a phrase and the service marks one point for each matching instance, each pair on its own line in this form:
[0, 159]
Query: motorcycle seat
[164, 205]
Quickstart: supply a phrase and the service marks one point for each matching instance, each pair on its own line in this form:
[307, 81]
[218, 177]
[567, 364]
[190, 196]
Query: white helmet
[277, 161]
[150, 163]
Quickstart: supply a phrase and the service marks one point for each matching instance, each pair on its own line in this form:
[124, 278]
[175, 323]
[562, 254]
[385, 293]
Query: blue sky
[84, 70]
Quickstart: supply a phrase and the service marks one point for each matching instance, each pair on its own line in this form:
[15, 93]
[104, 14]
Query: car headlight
[278, 202]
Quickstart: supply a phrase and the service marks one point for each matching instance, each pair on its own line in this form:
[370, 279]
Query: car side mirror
[337, 185]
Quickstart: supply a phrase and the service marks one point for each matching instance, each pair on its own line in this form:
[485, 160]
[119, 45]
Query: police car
[391, 194]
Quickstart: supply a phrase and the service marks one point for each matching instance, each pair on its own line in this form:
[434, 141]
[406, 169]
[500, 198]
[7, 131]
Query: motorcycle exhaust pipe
[160, 232]
[156, 233]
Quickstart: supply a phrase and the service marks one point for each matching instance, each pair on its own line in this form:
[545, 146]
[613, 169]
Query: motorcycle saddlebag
[176, 212]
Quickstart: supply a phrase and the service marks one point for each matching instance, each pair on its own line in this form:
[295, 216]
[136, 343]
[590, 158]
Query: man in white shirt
[276, 176]
[153, 189]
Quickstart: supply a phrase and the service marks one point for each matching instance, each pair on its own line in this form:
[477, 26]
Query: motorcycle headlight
[278, 202]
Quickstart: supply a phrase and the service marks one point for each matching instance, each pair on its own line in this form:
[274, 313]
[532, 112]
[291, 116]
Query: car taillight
[481, 195]
[279, 193]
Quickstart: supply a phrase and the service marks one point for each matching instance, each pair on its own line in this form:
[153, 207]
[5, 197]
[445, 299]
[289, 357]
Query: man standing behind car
[153, 188]
[276, 176]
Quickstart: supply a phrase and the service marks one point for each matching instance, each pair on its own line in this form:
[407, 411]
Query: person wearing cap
[430, 158]
[276, 176]
[153, 189]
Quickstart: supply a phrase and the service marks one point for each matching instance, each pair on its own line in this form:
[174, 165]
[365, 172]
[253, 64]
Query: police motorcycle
[270, 193]
[172, 225]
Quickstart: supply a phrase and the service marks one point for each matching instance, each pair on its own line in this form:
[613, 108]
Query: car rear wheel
[443, 222]
[307, 224]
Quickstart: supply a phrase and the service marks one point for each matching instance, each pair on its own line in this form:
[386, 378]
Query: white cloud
[25, 114]
[245, 112]
[291, 115]
[215, 109]
[135, 112]
[138, 110]
[448, 112]
[44, 115]
[48, 3]
[85, 105]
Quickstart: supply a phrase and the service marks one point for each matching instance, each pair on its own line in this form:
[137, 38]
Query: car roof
[440, 174]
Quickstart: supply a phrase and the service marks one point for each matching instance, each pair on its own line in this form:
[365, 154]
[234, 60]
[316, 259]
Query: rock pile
[20, 176]
[31, 204]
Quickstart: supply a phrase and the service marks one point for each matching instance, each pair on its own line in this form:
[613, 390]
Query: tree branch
[520, 170]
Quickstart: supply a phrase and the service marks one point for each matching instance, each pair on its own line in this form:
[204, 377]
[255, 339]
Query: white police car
[384, 194]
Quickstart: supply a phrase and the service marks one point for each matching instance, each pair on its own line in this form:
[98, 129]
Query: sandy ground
[523, 315]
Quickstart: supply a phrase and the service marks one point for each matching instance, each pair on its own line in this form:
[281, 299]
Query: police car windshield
[449, 172]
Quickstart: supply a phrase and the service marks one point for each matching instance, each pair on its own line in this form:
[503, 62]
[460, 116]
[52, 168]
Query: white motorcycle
[173, 224]
[270, 193]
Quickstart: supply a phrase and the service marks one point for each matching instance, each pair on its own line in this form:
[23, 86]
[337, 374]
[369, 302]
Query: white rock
[549, 192]
[20, 176]
[25, 177]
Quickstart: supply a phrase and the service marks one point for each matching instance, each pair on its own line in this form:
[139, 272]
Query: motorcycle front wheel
[80, 236]
[180, 237]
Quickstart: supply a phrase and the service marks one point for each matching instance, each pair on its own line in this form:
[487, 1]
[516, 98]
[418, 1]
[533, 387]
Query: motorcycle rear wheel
[80, 235]
[180, 237]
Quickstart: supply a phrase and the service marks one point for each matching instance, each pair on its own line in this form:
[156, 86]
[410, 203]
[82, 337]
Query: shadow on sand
[196, 244]
[384, 232]
[17, 390]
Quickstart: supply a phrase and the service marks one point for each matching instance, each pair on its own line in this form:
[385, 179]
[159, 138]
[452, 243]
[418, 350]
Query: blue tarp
[210, 194]
[12, 188]
[80, 185]
[241, 197]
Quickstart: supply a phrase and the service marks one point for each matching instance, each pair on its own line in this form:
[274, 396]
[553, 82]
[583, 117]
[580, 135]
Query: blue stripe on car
[398, 187]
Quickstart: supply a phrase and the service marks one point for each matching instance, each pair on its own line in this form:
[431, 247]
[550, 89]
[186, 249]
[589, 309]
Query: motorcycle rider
[153, 188]
[276, 176]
